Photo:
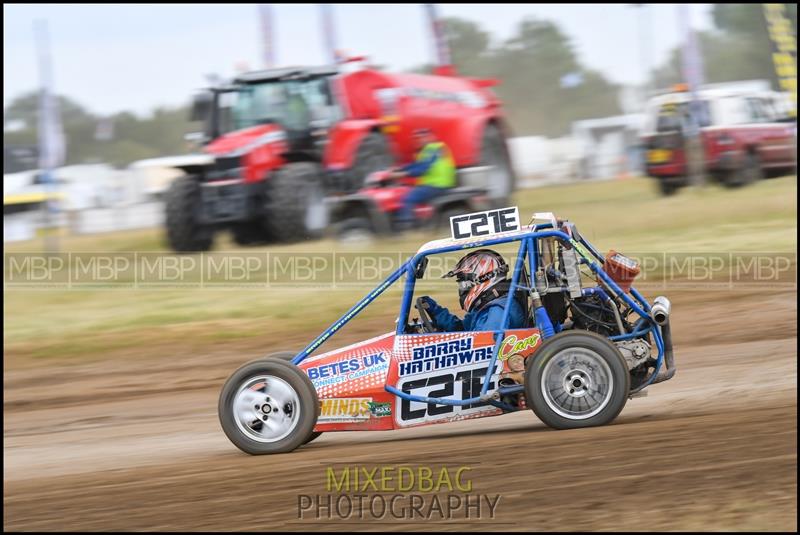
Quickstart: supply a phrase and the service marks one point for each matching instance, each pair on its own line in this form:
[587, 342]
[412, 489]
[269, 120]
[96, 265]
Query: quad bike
[591, 342]
[374, 210]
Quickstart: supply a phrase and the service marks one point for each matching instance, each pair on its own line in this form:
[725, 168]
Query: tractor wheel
[373, 154]
[249, 233]
[268, 406]
[749, 172]
[295, 206]
[184, 233]
[355, 230]
[494, 154]
[577, 379]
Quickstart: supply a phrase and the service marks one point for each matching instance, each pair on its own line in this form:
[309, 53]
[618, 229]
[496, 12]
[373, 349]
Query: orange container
[621, 269]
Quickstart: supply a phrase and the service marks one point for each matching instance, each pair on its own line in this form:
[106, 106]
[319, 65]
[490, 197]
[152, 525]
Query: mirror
[201, 106]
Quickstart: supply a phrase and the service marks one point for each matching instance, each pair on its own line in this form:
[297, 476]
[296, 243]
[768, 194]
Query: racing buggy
[591, 341]
[374, 209]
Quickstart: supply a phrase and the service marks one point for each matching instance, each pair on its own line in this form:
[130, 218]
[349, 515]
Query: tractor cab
[299, 102]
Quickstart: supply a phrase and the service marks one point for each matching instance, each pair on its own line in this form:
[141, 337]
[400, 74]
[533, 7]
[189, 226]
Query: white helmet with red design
[476, 273]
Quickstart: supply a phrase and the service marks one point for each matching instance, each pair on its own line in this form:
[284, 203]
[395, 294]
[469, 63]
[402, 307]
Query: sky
[112, 58]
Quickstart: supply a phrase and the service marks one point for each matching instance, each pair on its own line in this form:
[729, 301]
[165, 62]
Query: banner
[784, 54]
[439, 38]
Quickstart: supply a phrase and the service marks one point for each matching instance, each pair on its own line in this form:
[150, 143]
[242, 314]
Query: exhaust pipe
[660, 310]
[669, 369]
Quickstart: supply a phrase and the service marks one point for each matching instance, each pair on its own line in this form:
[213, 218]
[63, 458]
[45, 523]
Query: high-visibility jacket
[434, 165]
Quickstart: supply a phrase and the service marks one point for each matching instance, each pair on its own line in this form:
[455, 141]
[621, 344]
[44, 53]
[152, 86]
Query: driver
[482, 292]
[299, 115]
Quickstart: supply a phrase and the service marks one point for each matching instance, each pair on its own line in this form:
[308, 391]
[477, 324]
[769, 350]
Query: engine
[636, 352]
[595, 314]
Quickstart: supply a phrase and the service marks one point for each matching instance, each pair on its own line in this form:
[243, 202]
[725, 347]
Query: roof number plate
[482, 224]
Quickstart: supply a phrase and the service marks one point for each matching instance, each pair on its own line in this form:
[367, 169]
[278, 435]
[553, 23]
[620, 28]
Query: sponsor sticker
[511, 345]
[347, 369]
[343, 410]
[441, 355]
[581, 250]
[339, 410]
[380, 409]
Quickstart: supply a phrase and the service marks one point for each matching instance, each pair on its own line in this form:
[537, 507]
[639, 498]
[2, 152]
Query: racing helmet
[477, 273]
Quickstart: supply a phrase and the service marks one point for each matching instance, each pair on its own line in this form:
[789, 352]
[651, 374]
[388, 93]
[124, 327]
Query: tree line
[545, 87]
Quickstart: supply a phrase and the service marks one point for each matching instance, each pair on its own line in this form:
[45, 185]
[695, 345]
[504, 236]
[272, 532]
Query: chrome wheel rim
[577, 383]
[266, 408]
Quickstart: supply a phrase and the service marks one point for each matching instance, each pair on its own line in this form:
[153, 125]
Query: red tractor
[279, 141]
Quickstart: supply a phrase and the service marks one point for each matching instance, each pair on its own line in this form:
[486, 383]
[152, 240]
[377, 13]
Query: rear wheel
[268, 406]
[295, 207]
[355, 230]
[577, 379]
[451, 211]
[373, 154]
[500, 178]
[249, 233]
[749, 172]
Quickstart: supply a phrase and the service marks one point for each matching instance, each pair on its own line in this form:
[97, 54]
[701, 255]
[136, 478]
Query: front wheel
[577, 379]
[287, 356]
[268, 406]
[185, 234]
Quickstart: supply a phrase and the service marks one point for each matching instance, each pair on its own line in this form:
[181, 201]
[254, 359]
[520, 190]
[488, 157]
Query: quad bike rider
[434, 170]
[420, 194]
[378, 207]
[482, 290]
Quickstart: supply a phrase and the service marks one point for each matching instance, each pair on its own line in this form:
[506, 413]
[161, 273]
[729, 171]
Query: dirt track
[136, 445]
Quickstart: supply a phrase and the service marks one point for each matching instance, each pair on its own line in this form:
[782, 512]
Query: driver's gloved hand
[433, 306]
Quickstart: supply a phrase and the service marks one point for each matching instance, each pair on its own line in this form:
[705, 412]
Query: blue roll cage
[587, 255]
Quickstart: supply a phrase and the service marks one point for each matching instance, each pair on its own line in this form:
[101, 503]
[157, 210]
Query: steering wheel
[427, 321]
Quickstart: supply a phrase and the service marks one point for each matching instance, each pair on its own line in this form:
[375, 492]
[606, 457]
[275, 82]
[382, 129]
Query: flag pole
[50, 137]
[692, 63]
[267, 35]
[329, 34]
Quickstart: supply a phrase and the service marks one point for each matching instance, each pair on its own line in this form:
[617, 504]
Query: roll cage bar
[587, 255]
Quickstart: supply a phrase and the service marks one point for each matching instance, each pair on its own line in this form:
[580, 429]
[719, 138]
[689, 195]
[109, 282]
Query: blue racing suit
[489, 318]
